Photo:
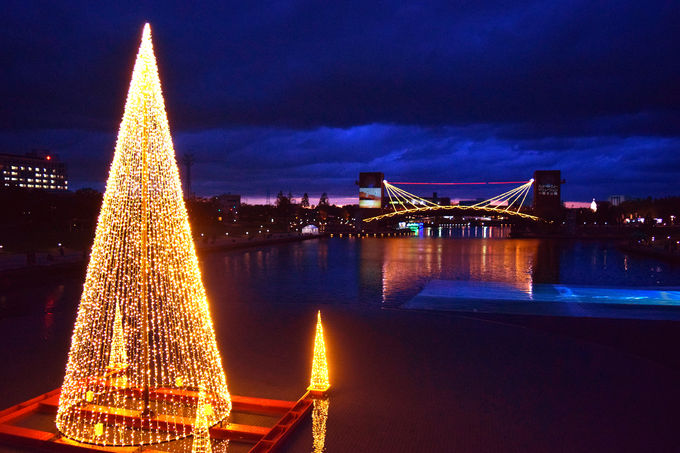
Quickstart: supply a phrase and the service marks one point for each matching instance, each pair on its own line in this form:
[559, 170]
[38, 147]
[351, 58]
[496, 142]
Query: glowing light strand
[143, 266]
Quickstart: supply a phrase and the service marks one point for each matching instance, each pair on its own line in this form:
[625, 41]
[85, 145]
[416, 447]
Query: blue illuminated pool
[548, 299]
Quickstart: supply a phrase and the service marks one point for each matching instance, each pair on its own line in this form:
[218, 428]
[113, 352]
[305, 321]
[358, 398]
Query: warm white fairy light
[144, 267]
[319, 381]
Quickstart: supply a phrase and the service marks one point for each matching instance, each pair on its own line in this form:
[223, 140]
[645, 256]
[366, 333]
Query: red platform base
[265, 439]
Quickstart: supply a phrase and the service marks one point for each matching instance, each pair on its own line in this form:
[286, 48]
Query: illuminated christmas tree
[319, 382]
[144, 268]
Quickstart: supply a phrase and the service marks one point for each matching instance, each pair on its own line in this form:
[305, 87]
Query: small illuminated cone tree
[143, 265]
[319, 382]
[201, 443]
[118, 354]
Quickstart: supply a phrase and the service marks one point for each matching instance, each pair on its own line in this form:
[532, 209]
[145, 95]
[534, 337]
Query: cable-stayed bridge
[401, 203]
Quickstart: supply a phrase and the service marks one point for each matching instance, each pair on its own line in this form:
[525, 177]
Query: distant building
[547, 193]
[616, 200]
[371, 190]
[228, 206]
[441, 201]
[480, 201]
[38, 169]
[228, 201]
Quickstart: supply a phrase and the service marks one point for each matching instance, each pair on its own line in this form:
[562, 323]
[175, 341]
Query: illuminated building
[143, 266]
[38, 169]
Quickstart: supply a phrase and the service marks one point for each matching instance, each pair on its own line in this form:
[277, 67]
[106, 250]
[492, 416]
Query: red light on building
[48, 157]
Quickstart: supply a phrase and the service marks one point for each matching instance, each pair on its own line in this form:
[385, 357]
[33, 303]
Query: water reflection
[51, 303]
[391, 271]
[408, 263]
[319, 419]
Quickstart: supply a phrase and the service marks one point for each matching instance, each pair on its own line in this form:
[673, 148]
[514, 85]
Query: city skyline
[302, 98]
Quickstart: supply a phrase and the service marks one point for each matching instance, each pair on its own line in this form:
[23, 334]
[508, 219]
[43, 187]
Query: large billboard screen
[370, 197]
[370, 190]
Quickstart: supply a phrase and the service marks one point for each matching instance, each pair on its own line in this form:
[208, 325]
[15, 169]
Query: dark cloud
[302, 95]
[254, 161]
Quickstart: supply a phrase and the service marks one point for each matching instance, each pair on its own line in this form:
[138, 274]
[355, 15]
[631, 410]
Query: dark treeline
[34, 220]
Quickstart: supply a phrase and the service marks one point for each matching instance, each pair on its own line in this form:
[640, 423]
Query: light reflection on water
[51, 305]
[390, 271]
[319, 419]
[405, 263]
[378, 271]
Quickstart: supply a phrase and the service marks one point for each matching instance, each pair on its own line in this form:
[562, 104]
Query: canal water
[263, 302]
[385, 272]
[390, 271]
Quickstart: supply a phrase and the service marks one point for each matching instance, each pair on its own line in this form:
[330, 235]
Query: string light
[319, 381]
[143, 343]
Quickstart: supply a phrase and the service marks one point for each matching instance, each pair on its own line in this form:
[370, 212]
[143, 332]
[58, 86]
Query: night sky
[301, 96]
